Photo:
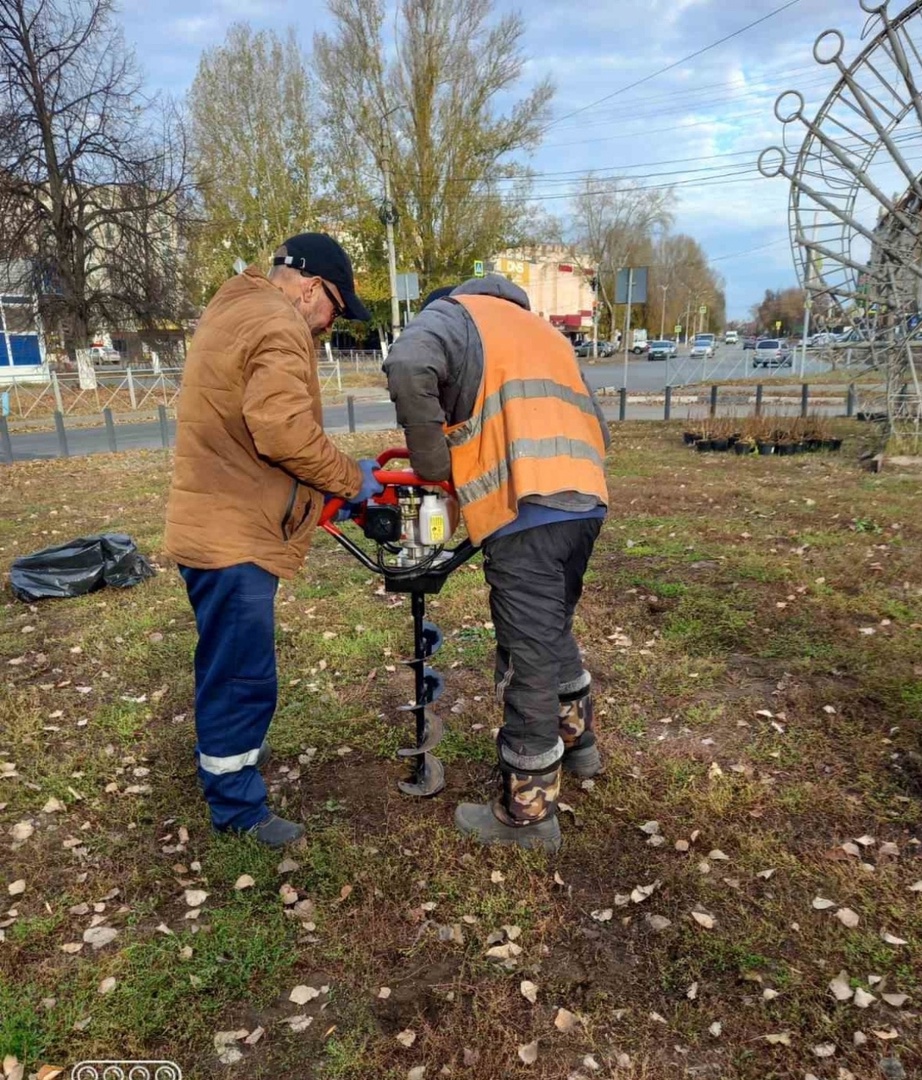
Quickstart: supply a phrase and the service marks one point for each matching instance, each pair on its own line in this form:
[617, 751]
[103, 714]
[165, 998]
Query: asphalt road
[644, 376]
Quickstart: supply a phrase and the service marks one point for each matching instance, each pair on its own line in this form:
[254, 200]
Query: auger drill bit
[428, 774]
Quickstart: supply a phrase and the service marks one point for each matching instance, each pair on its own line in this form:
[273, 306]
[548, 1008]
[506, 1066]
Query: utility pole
[595, 317]
[662, 324]
[389, 217]
[627, 320]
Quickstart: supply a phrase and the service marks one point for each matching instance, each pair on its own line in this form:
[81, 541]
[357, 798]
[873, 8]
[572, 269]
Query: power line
[675, 64]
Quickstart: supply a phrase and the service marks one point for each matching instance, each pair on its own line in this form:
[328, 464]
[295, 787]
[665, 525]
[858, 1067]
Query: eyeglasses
[338, 308]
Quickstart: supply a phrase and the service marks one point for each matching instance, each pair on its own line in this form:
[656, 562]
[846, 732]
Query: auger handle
[386, 477]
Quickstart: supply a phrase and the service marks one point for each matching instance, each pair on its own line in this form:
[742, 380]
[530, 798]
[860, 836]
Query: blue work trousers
[236, 688]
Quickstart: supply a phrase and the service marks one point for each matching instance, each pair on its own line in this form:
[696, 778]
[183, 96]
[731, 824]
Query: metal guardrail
[67, 393]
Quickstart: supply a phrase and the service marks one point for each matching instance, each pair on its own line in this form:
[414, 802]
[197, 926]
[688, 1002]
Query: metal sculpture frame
[840, 166]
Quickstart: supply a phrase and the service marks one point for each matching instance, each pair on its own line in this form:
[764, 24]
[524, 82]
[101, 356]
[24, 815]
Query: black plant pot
[832, 444]
[704, 446]
[690, 437]
[814, 444]
[800, 447]
[721, 445]
[765, 448]
[741, 448]
[785, 449]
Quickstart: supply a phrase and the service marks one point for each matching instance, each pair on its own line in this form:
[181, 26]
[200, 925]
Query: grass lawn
[754, 627]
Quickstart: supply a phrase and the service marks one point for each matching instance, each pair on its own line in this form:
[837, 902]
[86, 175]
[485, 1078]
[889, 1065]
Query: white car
[702, 349]
[103, 354]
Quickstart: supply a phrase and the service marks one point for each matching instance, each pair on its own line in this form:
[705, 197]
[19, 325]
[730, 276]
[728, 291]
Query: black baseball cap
[438, 294]
[316, 254]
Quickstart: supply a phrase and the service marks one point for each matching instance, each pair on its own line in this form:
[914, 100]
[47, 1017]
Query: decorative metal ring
[796, 113]
[769, 171]
[837, 51]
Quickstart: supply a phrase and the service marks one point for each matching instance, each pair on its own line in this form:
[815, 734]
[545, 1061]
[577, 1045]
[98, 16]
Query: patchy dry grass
[722, 590]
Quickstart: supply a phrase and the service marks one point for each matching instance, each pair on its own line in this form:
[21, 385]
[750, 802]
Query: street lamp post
[662, 324]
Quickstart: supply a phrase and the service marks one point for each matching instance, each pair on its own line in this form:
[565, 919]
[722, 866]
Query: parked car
[749, 342]
[603, 348]
[819, 340]
[703, 347]
[662, 350]
[105, 354]
[640, 347]
[772, 352]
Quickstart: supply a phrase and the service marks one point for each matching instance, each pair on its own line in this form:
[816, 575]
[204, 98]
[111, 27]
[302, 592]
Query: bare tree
[252, 128]
[429, 112]
[614, 223]
[680, 263]
[92, 173]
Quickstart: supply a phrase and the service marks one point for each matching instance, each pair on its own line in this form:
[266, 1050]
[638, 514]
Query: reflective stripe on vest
[533, 429]
[509, 391]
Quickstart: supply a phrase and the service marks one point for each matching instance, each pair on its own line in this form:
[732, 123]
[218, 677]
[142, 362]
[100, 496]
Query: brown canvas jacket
[252, 460]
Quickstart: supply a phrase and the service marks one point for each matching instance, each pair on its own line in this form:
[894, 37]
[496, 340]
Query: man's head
[314, 272]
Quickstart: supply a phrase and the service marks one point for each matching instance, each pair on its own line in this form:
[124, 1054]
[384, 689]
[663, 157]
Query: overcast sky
[701, 125]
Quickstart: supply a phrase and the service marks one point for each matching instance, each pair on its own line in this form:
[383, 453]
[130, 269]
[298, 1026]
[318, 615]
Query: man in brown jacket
[251, 468]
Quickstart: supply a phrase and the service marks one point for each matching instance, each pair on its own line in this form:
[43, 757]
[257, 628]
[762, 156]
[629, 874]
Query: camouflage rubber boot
[524, 814]
[577, 730]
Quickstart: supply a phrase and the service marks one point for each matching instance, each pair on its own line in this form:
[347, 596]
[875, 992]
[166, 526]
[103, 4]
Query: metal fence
[124, 389]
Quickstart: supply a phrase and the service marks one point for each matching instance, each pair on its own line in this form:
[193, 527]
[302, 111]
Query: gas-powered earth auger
[410, 522]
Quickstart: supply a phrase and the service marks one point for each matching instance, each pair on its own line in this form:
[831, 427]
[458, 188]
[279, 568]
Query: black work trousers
[536, 580]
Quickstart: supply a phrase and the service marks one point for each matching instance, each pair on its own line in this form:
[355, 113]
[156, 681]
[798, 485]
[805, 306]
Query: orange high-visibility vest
[534, 429]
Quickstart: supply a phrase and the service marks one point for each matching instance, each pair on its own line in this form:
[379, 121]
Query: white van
[731, 337]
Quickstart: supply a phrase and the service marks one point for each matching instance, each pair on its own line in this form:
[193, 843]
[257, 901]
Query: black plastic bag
[78, 567]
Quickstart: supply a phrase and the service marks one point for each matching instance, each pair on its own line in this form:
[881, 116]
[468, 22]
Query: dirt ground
[739, 895]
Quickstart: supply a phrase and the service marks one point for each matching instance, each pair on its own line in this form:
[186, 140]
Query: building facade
[559, 289]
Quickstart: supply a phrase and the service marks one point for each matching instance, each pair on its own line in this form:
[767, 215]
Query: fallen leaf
[847, 917]
[98, 936]
[287, 866]
[782, 1039]
[288, 894]
[651, 828]
[841, 988]
[917, 887]
[497, 876]
[718, 856]
[418, 1072]
[692, 992]
[896, 1000]
[825, 1050]
[504, 952]
[344, 893]
[889, 848]
[891, 939]
[558, 880]
[21, 831]
[865, 841]
[716, 1029]
[888, 1033]
[107, 985]
[529, 1054]
[766, 874]
[863, 999]
[821, 904]
[406, 1037]
[768, 994]
[244, 882]
[470, 1057]
[529, 991]
[16, 888]
[53, 806]
[50, 1072]
[255, 1035]
[195, 897]
[300, 1022]
[703, 919]
[658, 922]
[301, 995]
[602, 915]
[641, 892]
[565, 1020]
[384, 993]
